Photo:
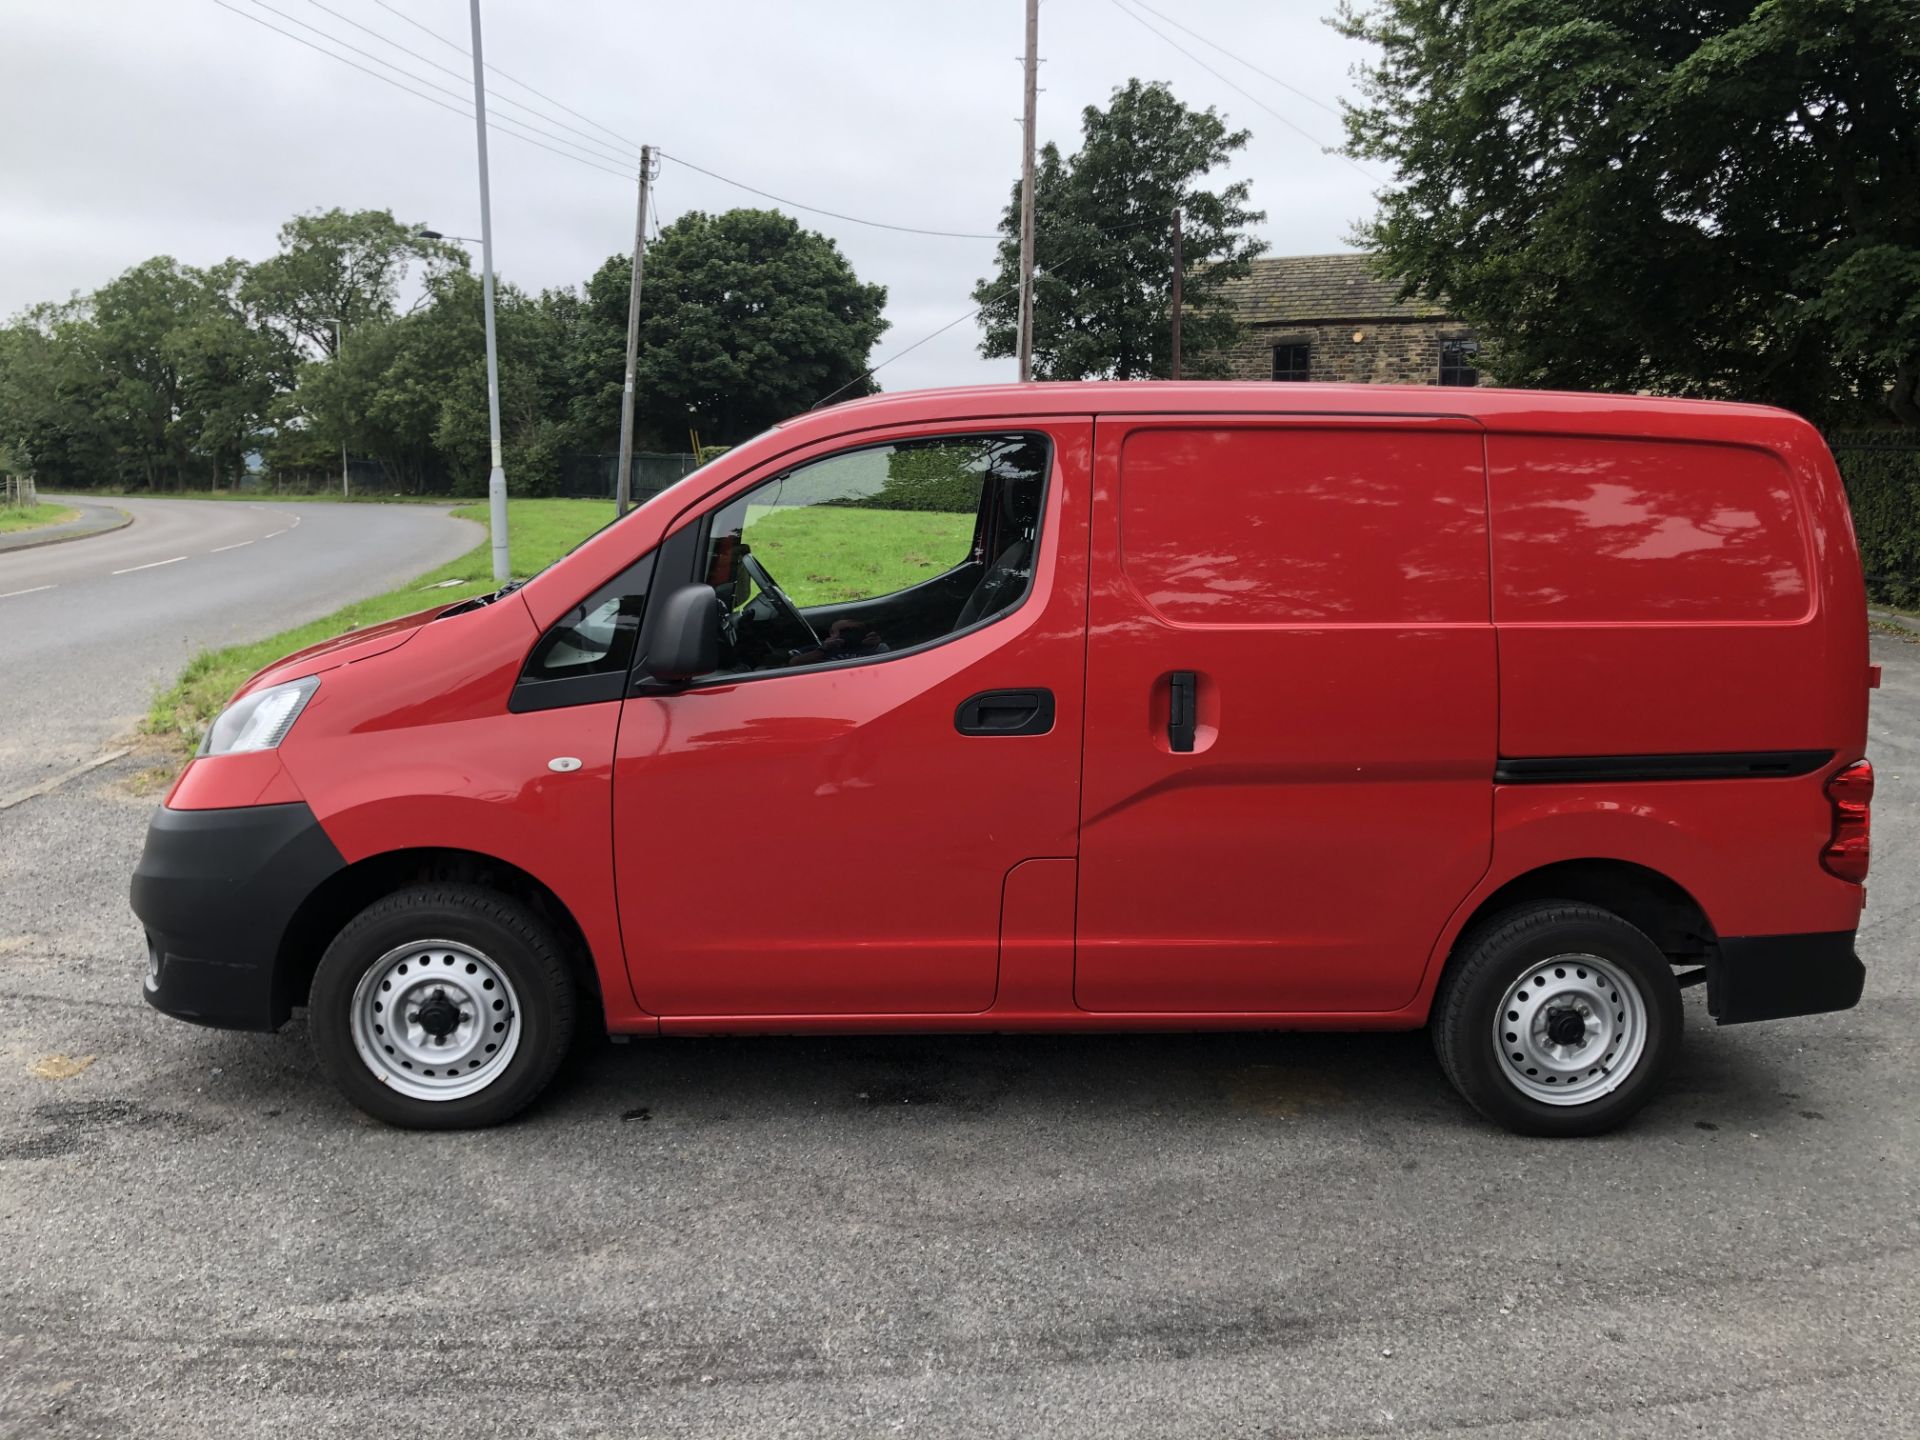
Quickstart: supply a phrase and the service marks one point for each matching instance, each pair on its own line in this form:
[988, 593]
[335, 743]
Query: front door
[822, 826]
[1290, 711]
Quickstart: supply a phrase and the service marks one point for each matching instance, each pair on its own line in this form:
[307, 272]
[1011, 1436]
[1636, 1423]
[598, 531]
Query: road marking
[281, 531]
[150, 565]
[58, 780]
[33, 590]
[235, 546]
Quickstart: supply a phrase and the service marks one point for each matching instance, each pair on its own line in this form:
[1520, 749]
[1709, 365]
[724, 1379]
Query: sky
[130, 128]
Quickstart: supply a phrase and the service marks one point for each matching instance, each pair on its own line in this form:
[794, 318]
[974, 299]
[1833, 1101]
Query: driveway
[1236, 1235]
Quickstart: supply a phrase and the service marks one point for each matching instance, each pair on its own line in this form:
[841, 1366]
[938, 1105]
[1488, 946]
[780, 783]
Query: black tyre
[1557, 1018]
[443, 1007]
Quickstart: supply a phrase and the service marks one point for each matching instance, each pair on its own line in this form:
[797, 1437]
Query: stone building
[1329, 317]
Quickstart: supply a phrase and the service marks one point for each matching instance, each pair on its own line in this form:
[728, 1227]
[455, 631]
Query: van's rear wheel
[1557, 1019]
[442, 1007]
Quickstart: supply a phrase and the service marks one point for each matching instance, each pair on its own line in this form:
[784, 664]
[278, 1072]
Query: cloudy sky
[137, 127]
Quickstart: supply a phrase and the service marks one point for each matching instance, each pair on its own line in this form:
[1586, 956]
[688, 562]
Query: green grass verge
[32, 517]
[542, 531]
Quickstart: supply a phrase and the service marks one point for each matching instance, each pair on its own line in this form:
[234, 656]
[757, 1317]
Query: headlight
[261, 720]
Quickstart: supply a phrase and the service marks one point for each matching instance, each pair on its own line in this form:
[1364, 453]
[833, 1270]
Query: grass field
[32, 517]
[822, 554]
[542, 531]
[819, 554]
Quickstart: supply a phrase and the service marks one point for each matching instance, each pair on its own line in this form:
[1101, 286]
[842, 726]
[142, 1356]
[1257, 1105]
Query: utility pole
[1176, 292]
[346, 487]
[1026, 192]
[497, 477]
[623, 483]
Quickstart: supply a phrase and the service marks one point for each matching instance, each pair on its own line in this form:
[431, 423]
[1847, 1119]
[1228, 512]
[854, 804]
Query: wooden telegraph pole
[1025, 345]
[623, 482]
[1177, 267]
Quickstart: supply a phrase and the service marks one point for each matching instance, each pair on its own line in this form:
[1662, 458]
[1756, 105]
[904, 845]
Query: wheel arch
[348, 891]
[1651, 901]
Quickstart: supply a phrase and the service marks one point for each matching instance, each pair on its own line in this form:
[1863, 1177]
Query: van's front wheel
[1557, 1019]
[442, 1007]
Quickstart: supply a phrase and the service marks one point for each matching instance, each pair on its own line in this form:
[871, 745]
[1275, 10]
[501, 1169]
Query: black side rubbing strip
[1715, 765]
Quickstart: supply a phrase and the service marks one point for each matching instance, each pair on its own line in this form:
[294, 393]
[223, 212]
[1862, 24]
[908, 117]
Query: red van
[1079, 707]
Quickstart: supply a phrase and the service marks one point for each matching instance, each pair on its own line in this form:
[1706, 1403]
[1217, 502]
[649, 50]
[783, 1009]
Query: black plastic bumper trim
[1769, 977]
[215, 890]
[1715, 765]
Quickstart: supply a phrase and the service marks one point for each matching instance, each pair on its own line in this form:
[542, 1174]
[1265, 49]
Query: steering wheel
[771, 589]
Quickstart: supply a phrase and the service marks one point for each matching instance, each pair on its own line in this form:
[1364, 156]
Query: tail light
[1850, 848]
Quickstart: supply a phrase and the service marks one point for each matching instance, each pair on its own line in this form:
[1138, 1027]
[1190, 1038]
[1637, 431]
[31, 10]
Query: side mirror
[683, 641]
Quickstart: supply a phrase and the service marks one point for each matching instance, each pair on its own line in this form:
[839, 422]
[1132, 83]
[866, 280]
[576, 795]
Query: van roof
[1497, 409]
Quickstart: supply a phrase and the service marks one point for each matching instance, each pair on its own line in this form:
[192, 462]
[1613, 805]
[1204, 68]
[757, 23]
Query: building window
[1291, 362]
[1457, 365]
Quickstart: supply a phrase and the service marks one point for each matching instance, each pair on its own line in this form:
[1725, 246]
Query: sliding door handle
[1180, 711]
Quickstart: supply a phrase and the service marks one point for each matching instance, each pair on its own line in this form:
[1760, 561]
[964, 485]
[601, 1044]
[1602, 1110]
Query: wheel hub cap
[1571, 1030]
[439, 1016]
[1566, 1026]
[437, 1020]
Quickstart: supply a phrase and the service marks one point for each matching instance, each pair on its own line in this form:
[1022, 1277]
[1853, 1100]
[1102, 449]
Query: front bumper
[1769, 977]
[216, 890]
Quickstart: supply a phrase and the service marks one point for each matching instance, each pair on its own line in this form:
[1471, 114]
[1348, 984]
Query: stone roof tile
[1287, 289]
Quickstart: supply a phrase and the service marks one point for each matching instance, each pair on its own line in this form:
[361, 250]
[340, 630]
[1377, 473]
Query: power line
[591, 140]
[464, 114]
[387, 79]
[1265, 74]
[1042, 272]
[1235, 85]
[870, 373]
[461, 49]
[817, 210]
[421, 79]
[569, 154]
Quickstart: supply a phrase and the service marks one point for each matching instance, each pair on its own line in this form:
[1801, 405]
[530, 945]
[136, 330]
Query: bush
[1882, 474]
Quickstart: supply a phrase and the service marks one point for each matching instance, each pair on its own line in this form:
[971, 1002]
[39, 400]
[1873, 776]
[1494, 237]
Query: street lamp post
[497, 477]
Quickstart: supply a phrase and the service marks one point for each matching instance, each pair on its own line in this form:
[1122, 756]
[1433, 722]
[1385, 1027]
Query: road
[90, 628]
[952, 1236]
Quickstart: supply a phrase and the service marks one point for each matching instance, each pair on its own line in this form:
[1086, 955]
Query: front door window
[876, 551]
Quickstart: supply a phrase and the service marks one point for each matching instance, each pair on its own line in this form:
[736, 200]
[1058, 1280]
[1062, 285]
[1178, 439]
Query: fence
[575, 476]
[20, 493]
[1882, 472]
[592, 476]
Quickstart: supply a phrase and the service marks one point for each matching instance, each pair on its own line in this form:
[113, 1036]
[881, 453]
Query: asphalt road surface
[90, 628]
[1082, 1236]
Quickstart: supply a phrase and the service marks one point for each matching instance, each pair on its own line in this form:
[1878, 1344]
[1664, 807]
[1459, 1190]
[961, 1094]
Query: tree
[50, 416]
[1715, 199]
[413, 390]
[745, 320]
[345, 265]
[1103, 244]
[227, 372]
[155, 378]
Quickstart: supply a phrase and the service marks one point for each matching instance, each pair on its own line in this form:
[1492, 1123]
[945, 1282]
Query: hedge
[1882, 475]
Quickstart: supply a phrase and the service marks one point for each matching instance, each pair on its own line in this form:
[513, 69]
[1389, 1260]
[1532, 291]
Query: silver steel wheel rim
[1534, 1031]
[435, 1020]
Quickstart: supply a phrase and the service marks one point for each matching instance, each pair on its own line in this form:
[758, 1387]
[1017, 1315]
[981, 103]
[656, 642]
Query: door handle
[1180, 691]
[1005, 712]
